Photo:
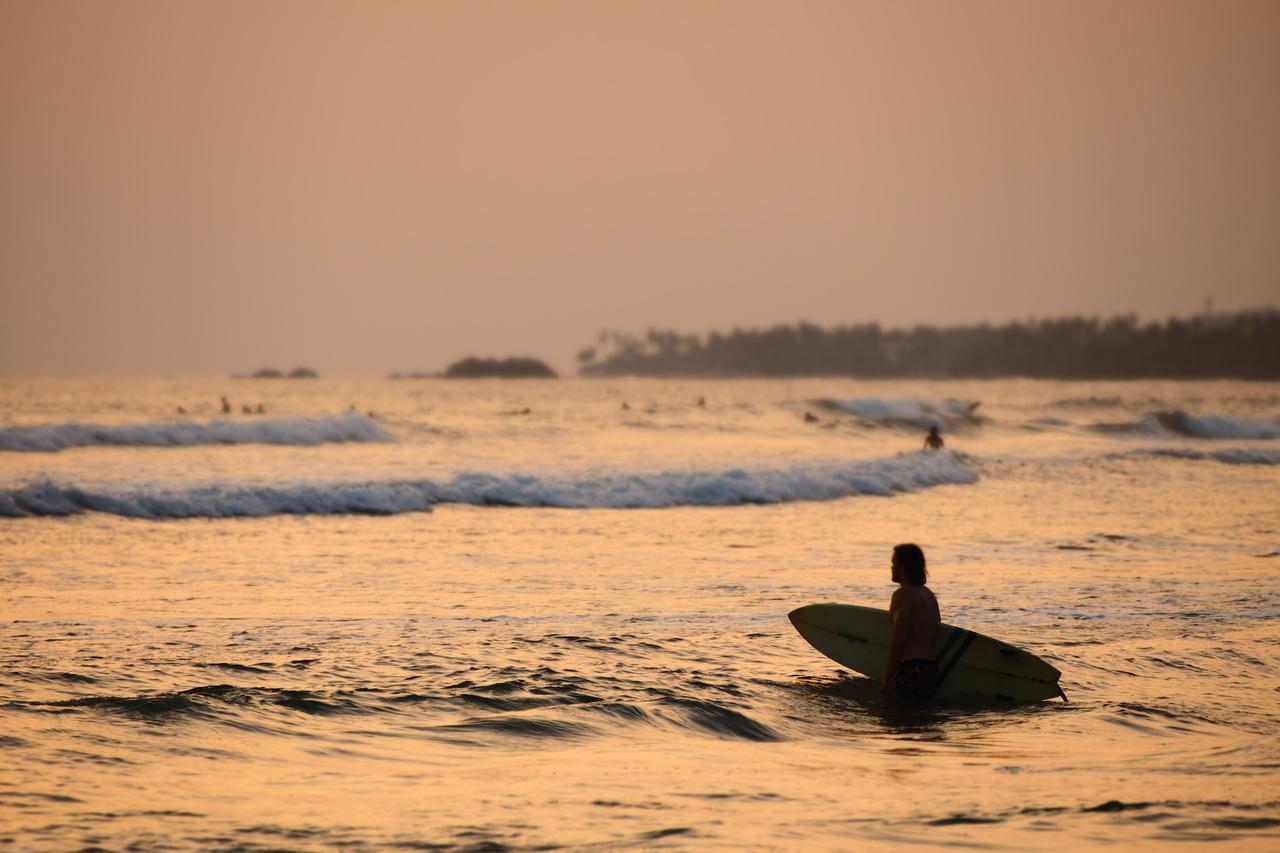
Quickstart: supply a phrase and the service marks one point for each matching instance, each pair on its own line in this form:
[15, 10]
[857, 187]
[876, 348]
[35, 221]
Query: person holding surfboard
[911, 672]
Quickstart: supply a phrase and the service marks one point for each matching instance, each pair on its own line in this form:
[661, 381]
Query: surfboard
[970, 665]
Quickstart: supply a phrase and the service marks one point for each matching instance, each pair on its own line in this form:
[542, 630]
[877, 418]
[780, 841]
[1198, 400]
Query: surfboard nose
[798, 615]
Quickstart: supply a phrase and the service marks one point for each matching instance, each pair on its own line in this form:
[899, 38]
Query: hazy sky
[197, 188]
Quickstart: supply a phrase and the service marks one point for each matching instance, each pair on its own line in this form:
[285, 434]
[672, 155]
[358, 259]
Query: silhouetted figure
[973, 407]
[181, 411]
[226, 407]
[933, 441]
[259, 410]
[626, 407]
[910, 672]
[810, 418]
[245, 409]
[702, 401]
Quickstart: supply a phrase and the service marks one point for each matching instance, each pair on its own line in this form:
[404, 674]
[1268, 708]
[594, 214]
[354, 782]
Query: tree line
[1243, 345]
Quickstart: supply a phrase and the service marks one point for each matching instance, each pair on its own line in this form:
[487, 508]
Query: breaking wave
[1218, 426]
[254, 707]
[50, 438]
[727, 487]
[908, 411]
[1229, 456]
[1179, 422]
[1089, 403]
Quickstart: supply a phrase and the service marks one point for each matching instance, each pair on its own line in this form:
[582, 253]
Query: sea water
[494, 615]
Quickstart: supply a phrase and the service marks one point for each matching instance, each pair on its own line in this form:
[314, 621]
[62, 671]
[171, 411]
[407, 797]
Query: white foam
[50, 438]
[921, 412]
[1229, 456]
[1218, 426]
[1182, 423]
[810, 482]
[46, 498]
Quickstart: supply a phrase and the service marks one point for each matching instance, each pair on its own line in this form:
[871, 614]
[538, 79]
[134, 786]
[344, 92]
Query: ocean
[511, 615]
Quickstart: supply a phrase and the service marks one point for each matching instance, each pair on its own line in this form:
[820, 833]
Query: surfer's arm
[900, 615]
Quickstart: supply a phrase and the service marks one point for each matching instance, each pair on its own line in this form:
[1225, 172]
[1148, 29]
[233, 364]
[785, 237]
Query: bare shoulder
[902, 598]
[914, 597]
[931, 600]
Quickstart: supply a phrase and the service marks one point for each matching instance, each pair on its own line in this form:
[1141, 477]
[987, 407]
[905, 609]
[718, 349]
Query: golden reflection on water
[143, 608]
[526, 677]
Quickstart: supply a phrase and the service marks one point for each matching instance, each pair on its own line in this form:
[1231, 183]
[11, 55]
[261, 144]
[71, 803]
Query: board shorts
[915, 680]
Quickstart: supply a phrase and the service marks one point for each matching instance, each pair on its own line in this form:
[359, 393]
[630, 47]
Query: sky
[197, 188]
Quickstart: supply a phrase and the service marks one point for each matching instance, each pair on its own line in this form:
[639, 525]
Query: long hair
[910, 559]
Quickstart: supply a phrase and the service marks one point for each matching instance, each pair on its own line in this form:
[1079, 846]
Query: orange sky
[196, 188]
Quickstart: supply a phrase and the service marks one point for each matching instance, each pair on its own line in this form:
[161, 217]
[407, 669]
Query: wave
[201, 703]
[1111, 402]
[1230, 456]
[1179, 422]
[50, 438]
[727, 487]
[48, 499]
[1088, 403]
[1218, 426]
[255, 708]
[907, 411]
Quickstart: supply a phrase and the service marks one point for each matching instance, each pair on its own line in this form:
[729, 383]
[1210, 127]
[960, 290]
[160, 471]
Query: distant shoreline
[488, 368]
[1242, 346]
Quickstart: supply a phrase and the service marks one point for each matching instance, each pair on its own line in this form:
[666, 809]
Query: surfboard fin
[1063, 695]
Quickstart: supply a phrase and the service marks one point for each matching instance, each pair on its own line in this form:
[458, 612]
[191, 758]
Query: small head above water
[908, 565]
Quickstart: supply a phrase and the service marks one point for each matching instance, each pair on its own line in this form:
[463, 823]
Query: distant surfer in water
[911, 672]
[933, 441]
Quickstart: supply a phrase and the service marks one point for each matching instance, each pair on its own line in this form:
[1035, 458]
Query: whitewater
[299, 431]
[413, 614]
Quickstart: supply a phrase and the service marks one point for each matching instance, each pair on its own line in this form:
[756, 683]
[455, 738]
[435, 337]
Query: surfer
[933, 441]
[911, 672]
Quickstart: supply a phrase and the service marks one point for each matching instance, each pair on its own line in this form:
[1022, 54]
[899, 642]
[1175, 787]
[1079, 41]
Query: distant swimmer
[626, 407]
[933, 441]
[702, 401]
[810, 418]
[181, 411]
[260, 410]
[973, 407]
[246, 410]
[226, 407]
[911, 673]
